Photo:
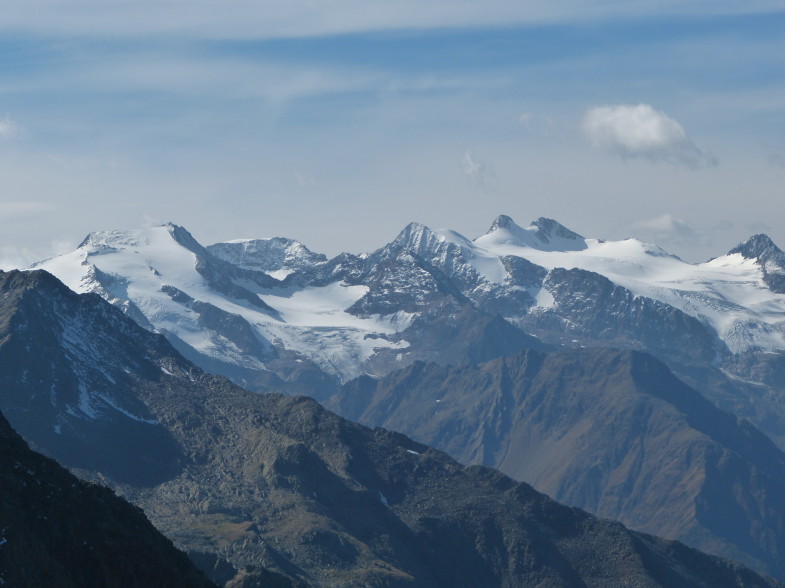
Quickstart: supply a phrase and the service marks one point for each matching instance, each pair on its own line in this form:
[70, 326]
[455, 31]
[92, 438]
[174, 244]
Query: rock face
[58, 530]
[248, 481]
[610, 431]
[768, 256]
[278, 256]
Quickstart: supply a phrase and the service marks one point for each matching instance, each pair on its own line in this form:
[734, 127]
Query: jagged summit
[420, 238]
[411, 230]
[758, 246]
[768, 256]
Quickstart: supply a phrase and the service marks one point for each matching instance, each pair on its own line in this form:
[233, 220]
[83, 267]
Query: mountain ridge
[268, 481]
[614, 432]
[719, 324]
[61, 531]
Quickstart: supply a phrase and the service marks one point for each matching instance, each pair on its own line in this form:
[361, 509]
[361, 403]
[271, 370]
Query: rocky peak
[758, 246]
[503, 222]
[412, 233]
[769, 257]
[549, 228]
[275, 254]
[184, 238]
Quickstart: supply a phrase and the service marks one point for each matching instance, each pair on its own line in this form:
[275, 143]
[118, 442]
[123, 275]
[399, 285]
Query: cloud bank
[640, 131]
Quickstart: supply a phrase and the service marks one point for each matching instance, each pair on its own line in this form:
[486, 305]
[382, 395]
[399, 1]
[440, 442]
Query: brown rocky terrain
[256, 485]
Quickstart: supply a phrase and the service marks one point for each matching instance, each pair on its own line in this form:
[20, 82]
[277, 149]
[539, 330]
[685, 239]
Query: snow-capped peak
[426, 242]
[219, 302]
[544, 234]
[105, 241]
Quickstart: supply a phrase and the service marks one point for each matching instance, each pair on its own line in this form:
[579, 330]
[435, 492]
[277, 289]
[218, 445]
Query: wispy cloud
[666, 229]
[304, 180]
[640, 131]
[9, 128]
[677, 235]
[17, 257]
[479, 172]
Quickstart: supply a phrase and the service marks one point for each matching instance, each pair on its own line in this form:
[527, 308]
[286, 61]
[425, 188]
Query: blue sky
[336, 123]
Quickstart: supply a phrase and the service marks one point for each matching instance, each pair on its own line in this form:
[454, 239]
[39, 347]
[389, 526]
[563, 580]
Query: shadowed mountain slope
[58, 530]
[614, 432]
[267, 481]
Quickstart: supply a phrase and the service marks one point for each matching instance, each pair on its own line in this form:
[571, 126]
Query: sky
[340, 121]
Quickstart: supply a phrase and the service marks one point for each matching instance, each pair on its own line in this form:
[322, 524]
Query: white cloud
[640, 131]
[304, 180]
[677, 235]
[13, 257]
[668, 228]
[18, 257]
[479, 172]
[8, 128]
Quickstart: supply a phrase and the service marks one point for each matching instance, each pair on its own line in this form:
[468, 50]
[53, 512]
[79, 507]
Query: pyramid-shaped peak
[503, 222]
[413, 232]
[758, 246]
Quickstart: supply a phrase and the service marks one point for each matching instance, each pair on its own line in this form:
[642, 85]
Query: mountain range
[673, 421]
[271, 313]
[260, 486]
[613, 432]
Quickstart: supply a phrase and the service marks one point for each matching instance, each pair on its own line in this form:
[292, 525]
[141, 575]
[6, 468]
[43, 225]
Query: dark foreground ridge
[267, 482]
[60, 531]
